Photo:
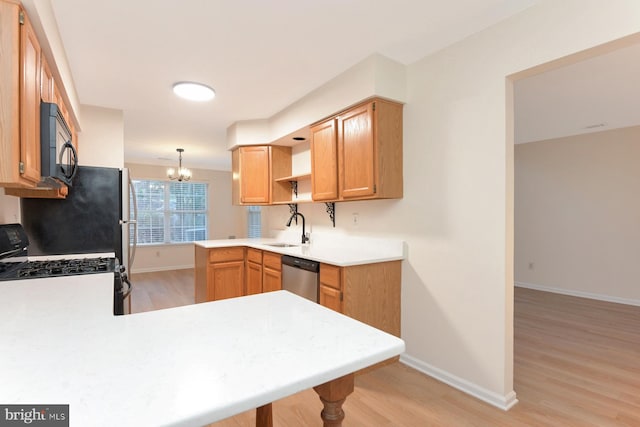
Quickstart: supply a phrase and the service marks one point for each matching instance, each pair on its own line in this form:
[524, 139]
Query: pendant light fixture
[183, 174]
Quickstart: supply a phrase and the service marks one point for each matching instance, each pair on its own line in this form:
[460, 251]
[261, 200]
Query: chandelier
[183, 174]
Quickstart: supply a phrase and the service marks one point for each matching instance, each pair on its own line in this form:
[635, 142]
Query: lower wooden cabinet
[271, 272]
[369, 293]
[227, 280]
[219, 273]
[331, 298]
[254, 271]
[235, 271]
[331, 287]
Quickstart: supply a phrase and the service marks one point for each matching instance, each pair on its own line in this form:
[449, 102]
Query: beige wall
[457, 212]
[9, 208]
[577, 215]
[101, 142]
[224, 219]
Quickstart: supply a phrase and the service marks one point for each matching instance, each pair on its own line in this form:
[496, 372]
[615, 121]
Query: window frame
[167, 212]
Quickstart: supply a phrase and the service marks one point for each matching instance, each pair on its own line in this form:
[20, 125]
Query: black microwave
[58, 156]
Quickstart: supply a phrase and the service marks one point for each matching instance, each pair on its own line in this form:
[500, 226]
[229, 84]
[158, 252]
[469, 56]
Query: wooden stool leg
[264, 416]
[332, 395]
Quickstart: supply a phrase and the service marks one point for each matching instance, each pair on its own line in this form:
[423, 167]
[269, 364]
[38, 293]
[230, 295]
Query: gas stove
[15, 265]
[57, 267]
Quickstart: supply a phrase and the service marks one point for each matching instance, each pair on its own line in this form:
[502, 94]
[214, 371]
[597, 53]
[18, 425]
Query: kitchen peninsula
[62, 345]
[359, 277]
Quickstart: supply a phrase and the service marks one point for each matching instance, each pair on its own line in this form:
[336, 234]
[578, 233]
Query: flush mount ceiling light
[183, 174]
[193, 91]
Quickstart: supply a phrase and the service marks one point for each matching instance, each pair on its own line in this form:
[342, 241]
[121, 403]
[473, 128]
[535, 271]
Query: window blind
[254, 221]
[171, 212]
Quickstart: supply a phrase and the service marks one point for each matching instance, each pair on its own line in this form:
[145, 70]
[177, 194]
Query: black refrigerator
[93, 218]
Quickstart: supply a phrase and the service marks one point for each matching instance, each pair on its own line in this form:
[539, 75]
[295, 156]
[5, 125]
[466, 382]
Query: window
[254, 221]
[170, 212]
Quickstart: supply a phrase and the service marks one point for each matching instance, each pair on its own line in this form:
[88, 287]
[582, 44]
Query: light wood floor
[577, 363]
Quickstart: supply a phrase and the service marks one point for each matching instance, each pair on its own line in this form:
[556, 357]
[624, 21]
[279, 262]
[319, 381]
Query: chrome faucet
[305, 239]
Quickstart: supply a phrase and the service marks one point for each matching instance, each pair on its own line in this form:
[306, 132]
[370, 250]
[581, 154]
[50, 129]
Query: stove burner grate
[64, 267]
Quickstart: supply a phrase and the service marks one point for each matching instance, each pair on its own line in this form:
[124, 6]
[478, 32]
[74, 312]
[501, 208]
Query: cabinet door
[255, 179]
[356, 152]
[227, 279]
[29, 103]
[324, 161]
[331, 298]
[271, 280]
[254, 278]
[331, 287]
[46, 82]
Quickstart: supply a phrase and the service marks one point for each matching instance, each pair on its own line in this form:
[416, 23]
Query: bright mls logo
[34, 415]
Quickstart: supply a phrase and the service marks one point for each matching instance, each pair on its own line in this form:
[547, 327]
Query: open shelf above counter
[290, 184]
[294, 178]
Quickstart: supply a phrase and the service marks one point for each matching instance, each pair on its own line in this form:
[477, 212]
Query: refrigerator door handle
[126, 293]
[134, 221]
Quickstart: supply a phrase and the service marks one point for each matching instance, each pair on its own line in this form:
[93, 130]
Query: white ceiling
[260, 56]
[593, 95]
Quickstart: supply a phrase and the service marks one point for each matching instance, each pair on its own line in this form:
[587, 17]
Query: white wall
[457, 212]
[9, 208]
[101, 142]
[576, 215]
[224, 219]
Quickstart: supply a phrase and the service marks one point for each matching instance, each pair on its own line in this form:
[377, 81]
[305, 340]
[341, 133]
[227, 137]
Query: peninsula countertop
[342, 252]
[184, 366]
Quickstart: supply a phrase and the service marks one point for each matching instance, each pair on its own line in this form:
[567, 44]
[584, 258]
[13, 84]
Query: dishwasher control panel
[302, 263]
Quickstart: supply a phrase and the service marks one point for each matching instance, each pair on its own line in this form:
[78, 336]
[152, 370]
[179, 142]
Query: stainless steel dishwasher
[300, 276]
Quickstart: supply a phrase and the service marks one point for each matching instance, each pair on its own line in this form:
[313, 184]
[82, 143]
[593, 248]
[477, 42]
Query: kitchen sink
[282, 245]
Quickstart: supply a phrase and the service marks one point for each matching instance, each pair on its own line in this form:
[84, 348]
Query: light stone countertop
[342, 252]
[184, 366]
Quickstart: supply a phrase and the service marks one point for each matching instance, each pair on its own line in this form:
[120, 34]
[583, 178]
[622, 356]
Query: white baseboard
[505, 402]
[580, 294]
[162, 268]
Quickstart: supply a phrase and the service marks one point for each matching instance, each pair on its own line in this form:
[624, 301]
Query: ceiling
[593, 95]
[260, 56]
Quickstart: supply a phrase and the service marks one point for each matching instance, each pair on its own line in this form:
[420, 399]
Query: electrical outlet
[531, 266]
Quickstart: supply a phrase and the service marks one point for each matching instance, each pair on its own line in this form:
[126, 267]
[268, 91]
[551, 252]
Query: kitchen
[456, 179]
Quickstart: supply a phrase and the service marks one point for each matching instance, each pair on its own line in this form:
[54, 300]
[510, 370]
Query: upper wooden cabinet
[19, 98]
[26, 79]
[29, 102]
[255, 174]
[46, 82]
[324, 161]
[357, 154]
[255, 169]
